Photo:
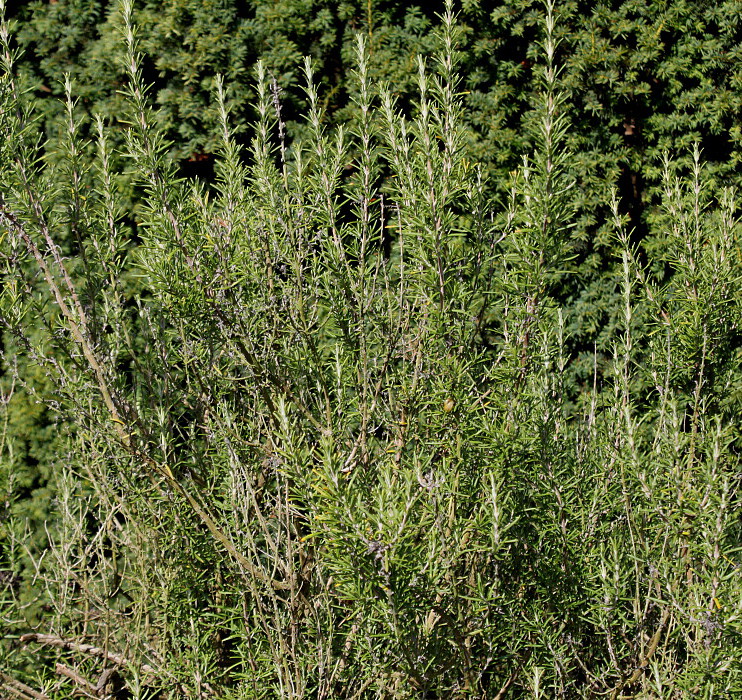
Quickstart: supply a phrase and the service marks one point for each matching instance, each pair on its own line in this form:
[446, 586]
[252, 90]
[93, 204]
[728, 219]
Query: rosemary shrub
[322, 436]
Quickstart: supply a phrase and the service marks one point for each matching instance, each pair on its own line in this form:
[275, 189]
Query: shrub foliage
[324, 429]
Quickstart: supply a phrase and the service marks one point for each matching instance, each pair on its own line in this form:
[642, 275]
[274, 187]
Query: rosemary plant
[321, 434]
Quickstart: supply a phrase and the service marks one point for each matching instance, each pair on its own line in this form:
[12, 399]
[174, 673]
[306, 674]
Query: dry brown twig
[89, 649]
[20, 690]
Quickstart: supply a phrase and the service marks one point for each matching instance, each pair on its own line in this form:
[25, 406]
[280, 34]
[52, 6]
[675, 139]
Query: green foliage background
[404, 384]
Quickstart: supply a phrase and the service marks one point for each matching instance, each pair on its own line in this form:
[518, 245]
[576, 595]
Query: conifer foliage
[323, 429]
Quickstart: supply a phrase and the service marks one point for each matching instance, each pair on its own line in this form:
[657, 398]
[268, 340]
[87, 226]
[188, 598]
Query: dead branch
[89, 649]
[20, 690]
[80, 681]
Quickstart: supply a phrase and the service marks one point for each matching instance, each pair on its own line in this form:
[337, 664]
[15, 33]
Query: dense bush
[325, 422]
